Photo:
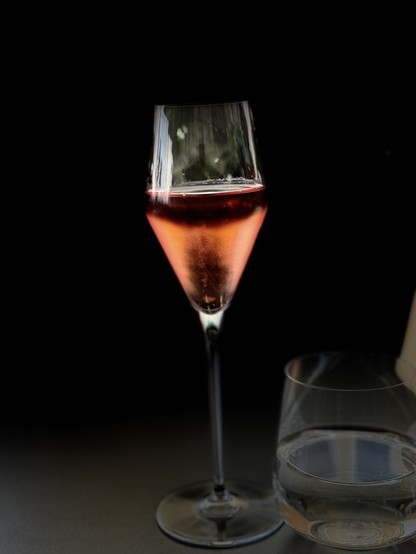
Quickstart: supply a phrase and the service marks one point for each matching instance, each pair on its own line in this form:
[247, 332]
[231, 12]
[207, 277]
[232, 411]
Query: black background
[98, 329]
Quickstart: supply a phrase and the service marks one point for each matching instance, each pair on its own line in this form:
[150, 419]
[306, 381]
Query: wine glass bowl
[206, 197]
[206, 203]
[345, 473]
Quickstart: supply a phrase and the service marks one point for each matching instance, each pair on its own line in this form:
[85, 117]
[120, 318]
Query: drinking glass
[206, 203]
[345, 473]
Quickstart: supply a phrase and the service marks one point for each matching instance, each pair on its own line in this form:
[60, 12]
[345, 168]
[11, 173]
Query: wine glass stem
[211, 325]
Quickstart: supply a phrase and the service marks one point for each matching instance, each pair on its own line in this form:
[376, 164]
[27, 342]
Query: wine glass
[345, 471]
[206, 203]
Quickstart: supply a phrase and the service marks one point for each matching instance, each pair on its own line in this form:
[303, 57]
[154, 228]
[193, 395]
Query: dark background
[98, 329]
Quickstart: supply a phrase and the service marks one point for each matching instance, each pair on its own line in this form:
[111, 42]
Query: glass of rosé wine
[206, 202]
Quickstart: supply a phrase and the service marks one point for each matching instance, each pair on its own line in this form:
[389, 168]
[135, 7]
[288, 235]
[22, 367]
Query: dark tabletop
[96, 491]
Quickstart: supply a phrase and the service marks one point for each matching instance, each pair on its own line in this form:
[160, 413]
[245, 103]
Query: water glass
[345, 470]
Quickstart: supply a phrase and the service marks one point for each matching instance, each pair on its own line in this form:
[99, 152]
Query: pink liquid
[208, 237]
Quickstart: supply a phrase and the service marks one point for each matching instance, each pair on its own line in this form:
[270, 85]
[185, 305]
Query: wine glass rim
[202, 104]
[410, 376]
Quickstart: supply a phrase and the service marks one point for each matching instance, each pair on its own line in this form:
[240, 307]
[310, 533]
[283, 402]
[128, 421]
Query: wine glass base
[183, 516]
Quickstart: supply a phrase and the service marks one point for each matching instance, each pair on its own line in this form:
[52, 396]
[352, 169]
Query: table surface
[96, 491]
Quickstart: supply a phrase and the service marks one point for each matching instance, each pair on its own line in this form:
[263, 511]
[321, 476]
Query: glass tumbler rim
[406, 365]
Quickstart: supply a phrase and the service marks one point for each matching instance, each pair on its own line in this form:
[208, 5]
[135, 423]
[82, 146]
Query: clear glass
[345, 473]
[206, 203]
